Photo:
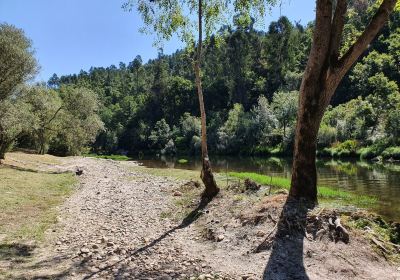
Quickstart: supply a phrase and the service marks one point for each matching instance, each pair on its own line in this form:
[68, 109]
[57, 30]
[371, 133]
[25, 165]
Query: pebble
[220, 237]
[85, 250]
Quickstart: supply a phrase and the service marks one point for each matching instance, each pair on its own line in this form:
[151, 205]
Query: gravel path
[111, 228]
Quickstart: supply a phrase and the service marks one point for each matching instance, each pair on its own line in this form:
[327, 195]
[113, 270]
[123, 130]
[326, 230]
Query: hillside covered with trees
[250, 81]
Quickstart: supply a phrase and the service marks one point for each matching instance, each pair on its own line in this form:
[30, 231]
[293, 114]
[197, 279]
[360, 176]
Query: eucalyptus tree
[327, 65]
[194, 21]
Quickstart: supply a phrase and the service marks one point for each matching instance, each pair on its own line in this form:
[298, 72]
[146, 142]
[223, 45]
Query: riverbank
[128, 221]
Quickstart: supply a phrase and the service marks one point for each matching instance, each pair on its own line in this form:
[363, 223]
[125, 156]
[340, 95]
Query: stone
[220, 237]
[85, 250]
[260, 233]
[176, 193]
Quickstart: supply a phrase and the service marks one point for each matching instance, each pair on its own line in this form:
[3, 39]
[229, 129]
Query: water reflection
[362, 177]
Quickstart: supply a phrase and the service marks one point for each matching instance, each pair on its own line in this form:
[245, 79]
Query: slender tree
[193, 21]
[324, 71]
[168, 18]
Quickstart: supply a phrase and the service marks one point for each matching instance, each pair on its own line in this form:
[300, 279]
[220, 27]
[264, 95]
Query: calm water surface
[361, 177]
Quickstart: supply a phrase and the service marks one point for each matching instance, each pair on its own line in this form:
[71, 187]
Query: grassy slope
[324, 192]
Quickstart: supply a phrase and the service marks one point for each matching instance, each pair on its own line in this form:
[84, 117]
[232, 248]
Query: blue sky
[76, 34]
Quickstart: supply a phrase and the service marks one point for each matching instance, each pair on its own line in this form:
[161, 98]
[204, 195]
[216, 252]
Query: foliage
[15, 119]
[250, 82]
[18, 64]
[63, 122]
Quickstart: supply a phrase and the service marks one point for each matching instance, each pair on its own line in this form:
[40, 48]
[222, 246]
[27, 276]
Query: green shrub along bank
[325, 193]
[352, 148]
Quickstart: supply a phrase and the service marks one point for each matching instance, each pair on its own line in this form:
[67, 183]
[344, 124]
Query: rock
[220, 237]
[85, 250]
[110, 244]
[102, 266]
[93, 269]
[164, 277]
[95, 246]
[260, 233]
[176, 193]
[79, 171]
[104, 239]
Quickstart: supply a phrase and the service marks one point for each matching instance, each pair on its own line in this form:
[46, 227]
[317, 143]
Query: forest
[251, 80]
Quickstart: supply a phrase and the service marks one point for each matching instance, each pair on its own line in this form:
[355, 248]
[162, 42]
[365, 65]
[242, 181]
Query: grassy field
[28, 199]
[324, 192]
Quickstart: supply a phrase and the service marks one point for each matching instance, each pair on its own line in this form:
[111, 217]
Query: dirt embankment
[123, 223]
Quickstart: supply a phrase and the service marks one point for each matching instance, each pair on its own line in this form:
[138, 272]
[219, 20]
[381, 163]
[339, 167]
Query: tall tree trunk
[206, 175]
[323, 74]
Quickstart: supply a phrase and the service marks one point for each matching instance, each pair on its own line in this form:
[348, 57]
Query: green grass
[324, 192]
[113, 157]
[182, 161]
[28, 200]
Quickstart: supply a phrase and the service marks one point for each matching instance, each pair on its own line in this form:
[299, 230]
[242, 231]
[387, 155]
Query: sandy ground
[115, 227]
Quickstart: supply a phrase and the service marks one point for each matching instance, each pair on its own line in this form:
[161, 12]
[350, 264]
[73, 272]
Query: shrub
[346, 149]
[391, 152]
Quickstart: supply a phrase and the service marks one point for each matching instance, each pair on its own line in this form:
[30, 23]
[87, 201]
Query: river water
[360, 177]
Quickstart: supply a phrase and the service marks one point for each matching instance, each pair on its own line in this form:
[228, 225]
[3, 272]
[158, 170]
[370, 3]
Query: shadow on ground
[80, 266]
[286, 259]
[15, 251]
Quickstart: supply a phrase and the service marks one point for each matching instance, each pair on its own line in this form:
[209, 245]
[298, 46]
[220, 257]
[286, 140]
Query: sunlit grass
[28, 200]
[324, 192]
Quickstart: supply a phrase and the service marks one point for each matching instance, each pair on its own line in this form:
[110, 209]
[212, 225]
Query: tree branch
[337, 30]
[376, 23]
[321, 36]
[55, 115]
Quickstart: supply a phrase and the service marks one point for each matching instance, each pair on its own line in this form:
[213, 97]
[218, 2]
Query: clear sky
[76, 34]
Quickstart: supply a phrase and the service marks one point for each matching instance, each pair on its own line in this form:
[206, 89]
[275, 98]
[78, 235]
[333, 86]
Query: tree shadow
[15, 251]
[286, 259]
[188, 220]
[25, 169]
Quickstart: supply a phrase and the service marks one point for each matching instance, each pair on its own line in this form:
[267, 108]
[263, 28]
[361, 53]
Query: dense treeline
[250, 82]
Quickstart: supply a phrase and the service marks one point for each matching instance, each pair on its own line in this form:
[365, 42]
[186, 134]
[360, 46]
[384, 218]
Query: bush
[169, 148]
[346, 149]
[368, 152]
[326, 135]
[391, 152]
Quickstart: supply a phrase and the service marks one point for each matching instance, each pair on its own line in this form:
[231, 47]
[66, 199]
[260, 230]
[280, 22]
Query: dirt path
[114, 227]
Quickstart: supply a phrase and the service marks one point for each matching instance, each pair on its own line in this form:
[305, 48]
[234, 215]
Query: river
[361, 177]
